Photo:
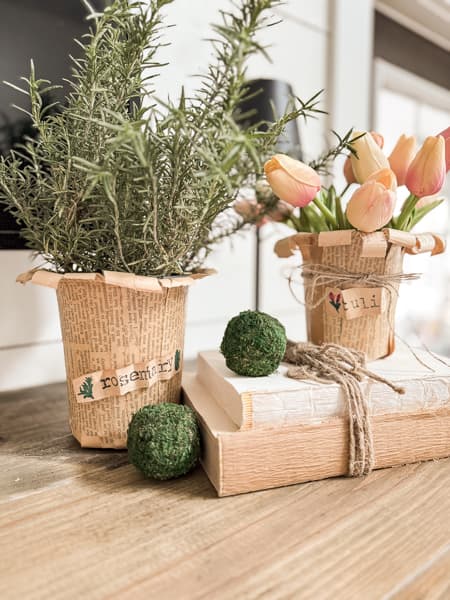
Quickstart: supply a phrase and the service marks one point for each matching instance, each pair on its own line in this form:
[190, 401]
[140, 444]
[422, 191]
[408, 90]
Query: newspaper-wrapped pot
[351, 282]
[123, 339]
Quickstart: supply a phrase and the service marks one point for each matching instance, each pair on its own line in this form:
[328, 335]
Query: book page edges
[243, 461]
[238, 406]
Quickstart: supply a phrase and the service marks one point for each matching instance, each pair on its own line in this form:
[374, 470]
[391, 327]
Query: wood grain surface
[85, 524]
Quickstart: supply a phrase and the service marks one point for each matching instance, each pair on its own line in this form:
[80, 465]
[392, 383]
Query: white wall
[303, 48]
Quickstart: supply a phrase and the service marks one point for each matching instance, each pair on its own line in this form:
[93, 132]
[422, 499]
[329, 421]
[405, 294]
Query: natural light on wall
[405, 103]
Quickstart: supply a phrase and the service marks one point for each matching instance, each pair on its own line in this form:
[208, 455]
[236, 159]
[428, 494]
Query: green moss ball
[254, 344]
[164, 440]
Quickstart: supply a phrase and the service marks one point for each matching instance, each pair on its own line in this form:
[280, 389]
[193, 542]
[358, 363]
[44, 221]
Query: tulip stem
[326, 213]
[406, 212]
[340, 213]
[315, 220]
[297, 223]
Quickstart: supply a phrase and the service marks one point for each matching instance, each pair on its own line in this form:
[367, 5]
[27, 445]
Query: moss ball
[164, 440]
[254, 344]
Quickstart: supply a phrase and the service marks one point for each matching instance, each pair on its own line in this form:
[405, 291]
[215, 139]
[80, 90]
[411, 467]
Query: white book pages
[278, 400]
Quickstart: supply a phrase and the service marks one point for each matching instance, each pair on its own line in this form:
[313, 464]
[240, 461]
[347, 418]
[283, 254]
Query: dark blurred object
[11, 134]
[14, 134]
[265, 99]
[44, 31]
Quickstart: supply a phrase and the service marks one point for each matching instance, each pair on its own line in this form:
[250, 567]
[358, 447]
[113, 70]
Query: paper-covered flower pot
[351, 283]
[123, 338]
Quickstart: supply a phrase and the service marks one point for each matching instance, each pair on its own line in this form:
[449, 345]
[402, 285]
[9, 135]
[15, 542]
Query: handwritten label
[355, 302]
[118, 382]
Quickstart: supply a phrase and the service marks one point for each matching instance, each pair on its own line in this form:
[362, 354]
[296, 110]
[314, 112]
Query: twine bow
[317, 275]
[331, 363]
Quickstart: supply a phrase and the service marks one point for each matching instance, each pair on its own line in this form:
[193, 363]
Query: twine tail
[333, 363]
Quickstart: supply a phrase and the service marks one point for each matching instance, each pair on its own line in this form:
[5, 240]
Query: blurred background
[384, 65]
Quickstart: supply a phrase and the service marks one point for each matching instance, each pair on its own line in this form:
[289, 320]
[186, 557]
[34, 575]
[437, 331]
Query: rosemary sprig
[117, 179]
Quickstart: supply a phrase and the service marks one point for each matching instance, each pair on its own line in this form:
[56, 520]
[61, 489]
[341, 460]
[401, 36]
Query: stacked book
[264, 432]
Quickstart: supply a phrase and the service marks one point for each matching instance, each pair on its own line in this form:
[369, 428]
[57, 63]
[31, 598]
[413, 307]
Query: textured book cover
[275, 454]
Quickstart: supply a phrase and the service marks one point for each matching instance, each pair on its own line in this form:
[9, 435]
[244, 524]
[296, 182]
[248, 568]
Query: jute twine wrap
[344, 267]
[323, 276]
[330, 363]
[346, 259]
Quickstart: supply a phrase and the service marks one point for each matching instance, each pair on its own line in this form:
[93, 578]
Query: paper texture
[369, 333]
[110, 383]
[278, 400]
[113, 278]
[107, 327]
[118, 325]
[255, 459]
[373, 244]
[378, 253]
[353, 303]
[335, 238]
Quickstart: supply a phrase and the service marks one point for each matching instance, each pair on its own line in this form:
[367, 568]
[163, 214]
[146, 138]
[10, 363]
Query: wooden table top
[85, 524]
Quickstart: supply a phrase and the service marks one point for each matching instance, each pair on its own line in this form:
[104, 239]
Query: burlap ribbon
[330, 363]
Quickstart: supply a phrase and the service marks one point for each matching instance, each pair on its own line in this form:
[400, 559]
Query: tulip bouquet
[296, 195]
[353, 242]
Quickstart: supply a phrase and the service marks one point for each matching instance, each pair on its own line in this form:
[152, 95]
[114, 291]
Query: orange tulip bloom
[371, 207]
[401, 157]
[426, 173]
[291, 180]
[385, 177]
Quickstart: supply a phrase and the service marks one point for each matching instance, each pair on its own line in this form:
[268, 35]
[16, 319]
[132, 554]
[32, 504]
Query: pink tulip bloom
[291, 180]
[371, 207]
[401, 157]
[427, 200]
[426, 173]
[386, 177]
[370, 157]
[446, 135]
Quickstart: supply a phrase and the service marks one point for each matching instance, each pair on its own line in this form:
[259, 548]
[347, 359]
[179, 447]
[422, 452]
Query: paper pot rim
[141, 283]
[375, 244]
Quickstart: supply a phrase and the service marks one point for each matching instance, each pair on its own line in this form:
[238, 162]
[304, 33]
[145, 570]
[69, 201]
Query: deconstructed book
[271, 431]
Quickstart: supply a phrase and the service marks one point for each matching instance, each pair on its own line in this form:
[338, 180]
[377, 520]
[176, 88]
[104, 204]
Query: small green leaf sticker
[87, 388]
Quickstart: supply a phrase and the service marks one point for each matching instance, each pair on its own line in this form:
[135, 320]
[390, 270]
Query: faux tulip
[379, 139]
[370, 157]
[446, 135]
[291, 180]
[426, 201]
[386, 177]
[401, 157]
[371, 207]
[426, 173]
[348, 171]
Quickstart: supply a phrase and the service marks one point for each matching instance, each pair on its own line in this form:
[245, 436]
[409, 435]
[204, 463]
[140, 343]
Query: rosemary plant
[118, 180]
